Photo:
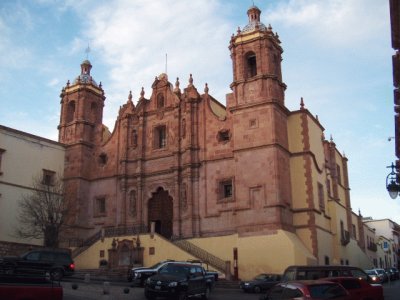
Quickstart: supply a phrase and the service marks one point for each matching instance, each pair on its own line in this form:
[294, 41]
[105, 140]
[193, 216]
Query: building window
[160, 137]
[251, 64]
[48, 177]
[1, 156]
[103, 159]
[339, 176]
[328, 187]
[326, 260]
[226, 189]
[224, 135]
[353, 227]
[160, 101]
[100, 206]
[93, 112]
[70, 111]
[321, 198]
[152, 251]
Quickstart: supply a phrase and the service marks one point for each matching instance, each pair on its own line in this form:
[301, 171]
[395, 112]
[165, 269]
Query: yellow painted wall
[90, 258]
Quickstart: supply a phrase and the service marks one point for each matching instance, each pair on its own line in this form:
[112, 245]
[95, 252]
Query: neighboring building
[387, 233]
[251, 182]
[23, 157]
[395, 31]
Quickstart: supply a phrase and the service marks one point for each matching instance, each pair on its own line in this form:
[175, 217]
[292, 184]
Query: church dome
[254, 20]
[85, 76]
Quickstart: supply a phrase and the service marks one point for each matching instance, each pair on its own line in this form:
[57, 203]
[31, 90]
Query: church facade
[182, 164]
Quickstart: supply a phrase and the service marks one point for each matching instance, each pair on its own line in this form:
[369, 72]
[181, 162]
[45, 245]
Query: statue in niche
[183, 198]
[132, 203]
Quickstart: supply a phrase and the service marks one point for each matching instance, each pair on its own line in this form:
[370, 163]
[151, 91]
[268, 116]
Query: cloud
[338, 23]
[132, 39]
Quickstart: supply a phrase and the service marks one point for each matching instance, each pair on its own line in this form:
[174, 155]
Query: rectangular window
[328, 187]
[321, 197]
[100, 206]
[339, 176]
[354, 231]
[226, 189]
[48, 177]
[1, 154]
[160, 137]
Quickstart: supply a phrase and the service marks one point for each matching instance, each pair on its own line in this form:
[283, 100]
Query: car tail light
[72, 266]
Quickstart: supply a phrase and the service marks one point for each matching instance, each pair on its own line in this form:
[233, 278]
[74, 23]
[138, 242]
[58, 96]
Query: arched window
[251, 64]
[160, 100]
[70, 111]
[93, 112]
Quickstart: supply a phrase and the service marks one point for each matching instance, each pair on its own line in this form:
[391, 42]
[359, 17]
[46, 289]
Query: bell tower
[82, 105]
[260, 119]
[256, 58]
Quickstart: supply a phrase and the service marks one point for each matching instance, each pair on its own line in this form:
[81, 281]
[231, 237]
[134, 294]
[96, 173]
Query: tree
[42, 212]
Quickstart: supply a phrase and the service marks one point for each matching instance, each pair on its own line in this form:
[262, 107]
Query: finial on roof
[100, 84]
[177, 89]
[344, 154]
[316, 116]
[331, 139]
[68, 83]
[269, 27]
[190, 80]
[301, 103]
[142, 93]
[206, 88]
[238, 30]
[130, 96]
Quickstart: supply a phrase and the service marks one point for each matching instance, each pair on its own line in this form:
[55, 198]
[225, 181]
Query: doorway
[160, 211]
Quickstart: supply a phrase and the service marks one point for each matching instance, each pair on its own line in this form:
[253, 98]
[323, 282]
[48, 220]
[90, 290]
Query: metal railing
[203, 255]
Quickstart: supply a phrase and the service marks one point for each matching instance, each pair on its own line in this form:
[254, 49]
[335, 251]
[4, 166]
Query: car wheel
[206, 294]
[56, 274]
[257, 289]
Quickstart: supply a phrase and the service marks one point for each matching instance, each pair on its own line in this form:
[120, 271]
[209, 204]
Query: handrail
[202, 254]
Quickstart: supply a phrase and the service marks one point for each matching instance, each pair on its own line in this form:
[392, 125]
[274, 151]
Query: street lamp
[391, 182]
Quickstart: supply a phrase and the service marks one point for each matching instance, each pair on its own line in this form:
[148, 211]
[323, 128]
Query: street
[117, 291]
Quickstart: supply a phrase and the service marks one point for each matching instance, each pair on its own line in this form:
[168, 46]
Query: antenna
[166, 63]
[87, 50]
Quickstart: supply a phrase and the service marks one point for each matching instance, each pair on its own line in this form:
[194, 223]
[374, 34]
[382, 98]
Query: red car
[359, 289]
[307, 290]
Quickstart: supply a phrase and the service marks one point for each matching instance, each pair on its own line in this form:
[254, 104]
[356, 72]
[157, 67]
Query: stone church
[183, 165]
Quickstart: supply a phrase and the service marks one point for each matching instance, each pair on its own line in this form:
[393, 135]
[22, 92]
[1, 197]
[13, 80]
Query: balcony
[345, 238]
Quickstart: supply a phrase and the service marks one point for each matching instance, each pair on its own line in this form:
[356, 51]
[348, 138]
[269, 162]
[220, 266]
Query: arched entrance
[160, 211]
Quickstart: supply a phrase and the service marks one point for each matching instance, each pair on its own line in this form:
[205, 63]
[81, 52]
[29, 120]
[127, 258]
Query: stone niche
[125, 253]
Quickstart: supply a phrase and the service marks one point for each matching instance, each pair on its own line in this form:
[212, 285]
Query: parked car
[29, 287]
[57, 262]
[359, 289]
[374, 275]
[382, 274]
[307, 289]
[179, 280]
[391, 273]
[139, 275]
[316, 272]
[262, 282]
[395, 272]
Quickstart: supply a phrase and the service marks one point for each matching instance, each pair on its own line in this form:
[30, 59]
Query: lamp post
[392, 185]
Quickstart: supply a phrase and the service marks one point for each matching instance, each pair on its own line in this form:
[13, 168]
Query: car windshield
[177, 270]
[326, 291]
[369, 272]
[260, 277]
[156, 265]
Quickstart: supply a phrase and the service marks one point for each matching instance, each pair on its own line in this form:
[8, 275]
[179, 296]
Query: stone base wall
[12, 249]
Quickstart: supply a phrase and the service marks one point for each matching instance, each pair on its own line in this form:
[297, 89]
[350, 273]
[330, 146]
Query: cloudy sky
[337, 56]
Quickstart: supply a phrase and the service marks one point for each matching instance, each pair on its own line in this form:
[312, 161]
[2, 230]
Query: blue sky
[337, 56]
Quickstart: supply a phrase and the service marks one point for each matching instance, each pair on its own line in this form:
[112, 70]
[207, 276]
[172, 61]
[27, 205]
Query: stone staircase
[206, 257]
